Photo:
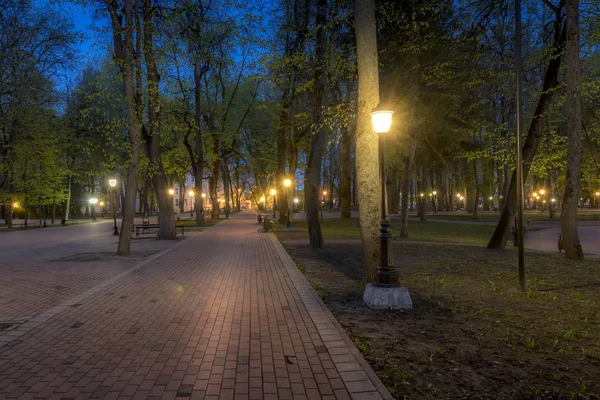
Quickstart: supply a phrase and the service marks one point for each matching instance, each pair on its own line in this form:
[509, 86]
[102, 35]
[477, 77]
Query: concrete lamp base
[387, 298]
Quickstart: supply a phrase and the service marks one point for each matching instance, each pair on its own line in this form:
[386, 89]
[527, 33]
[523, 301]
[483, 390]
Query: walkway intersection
[222, 315]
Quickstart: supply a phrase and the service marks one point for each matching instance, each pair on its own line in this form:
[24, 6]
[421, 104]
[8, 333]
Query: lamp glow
[273, 192]
[93, 200]
[381, 119]
[191, 193]
[112, 182]
[296, 201]
[287, 182]
[171, 192]
[15, 205]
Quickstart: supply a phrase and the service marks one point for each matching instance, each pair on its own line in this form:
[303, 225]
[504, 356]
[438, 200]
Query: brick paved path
[223, 315]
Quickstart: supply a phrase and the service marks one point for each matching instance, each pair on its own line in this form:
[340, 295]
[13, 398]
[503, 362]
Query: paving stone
[223, 314]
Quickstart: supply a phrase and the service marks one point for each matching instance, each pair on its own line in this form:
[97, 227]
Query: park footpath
[225, 314]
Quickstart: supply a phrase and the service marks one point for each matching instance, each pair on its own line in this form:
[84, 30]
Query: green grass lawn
[494, 217]
[472, 334]
[426, 231]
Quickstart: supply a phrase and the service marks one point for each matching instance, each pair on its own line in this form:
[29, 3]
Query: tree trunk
[317, 145]
[124, 58]
[166, 228]
[499, 237]
[346, 172]
[198, 160]
[568, 216]
[412, 148]
[367, 157]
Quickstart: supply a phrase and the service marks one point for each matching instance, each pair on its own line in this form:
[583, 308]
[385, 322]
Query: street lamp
[386, 274]
[323, 204]
[191, 193]
[273, 193]
[296, 202]
[93, 201]
[597, 196]
[287, 183]
[433, 199]
[113, 183]
[102, 209]
[171, 192]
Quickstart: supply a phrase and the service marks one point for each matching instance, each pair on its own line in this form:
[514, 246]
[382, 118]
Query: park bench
[149, 228]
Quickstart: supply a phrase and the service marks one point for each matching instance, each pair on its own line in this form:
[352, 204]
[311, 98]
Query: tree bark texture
[317, 143]
[166, 226]
[367, 157]
[568, 216]
[346, 172]
[124, 58]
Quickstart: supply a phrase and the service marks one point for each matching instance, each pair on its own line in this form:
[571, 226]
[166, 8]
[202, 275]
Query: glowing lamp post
[93, 202]
[287, 183]
[113, 183]
[386, 274]
[191, 194]
[323, 204]
[597, 198]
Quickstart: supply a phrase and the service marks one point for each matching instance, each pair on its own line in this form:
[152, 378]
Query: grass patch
[427, 231]
[472, 332]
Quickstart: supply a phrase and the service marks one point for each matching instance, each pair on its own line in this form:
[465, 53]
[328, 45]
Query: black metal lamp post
[386, 274]
[323, 204]
[113, 183]
[287, 184]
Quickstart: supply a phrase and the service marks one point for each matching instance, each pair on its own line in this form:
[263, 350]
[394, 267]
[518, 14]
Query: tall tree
[367, 165]
[151, 135]
[122, 23]
[568, 217]
[317, 145]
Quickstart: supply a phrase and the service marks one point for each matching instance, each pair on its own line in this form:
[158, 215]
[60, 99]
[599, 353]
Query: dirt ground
[472, 334]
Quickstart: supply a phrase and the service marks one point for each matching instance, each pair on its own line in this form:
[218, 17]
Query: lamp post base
[115, 231]
[387, 298]
[288, 229]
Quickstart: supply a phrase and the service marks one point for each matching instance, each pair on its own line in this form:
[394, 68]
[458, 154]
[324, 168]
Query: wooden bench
[151, 227]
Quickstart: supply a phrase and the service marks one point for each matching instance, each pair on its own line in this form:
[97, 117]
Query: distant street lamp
[287, 183]
[323, 204]
[93, 201]
[597, 198]
[102, 209]
[386, 274]
[296, 203]
[434, 199]
[113, 182]
[191, 193]
[273, 193]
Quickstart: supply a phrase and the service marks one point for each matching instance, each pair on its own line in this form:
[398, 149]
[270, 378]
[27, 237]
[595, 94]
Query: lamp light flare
[287, 182]
[191, 193]
[93, 200]
[171, 192]
[296, 201]
[382, 119]
[112, 182]
[273, 192]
